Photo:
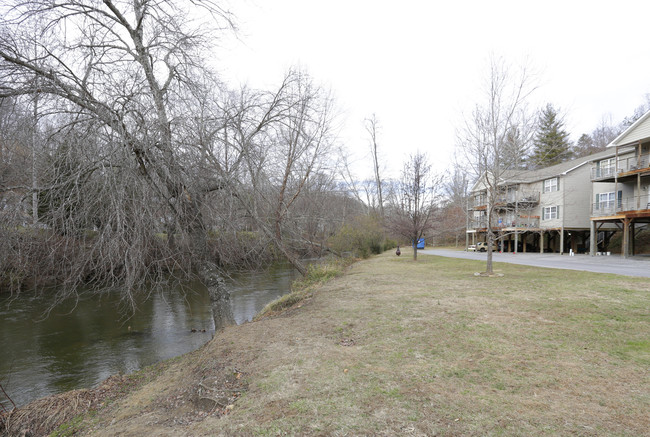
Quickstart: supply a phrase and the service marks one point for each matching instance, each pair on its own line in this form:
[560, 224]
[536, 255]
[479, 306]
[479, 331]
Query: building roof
[559, 169]
[529, 176]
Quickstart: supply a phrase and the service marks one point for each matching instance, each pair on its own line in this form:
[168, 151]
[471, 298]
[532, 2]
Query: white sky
[418, 65]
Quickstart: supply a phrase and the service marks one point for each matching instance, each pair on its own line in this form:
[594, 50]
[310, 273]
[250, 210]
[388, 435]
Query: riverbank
[81, 343]
[417, 348]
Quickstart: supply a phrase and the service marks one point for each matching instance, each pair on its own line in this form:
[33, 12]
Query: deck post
[592, 238]
[626, 238]
[638, 189]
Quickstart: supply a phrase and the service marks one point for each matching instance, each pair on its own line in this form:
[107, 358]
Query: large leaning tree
[487, 138]
[149, 159]
[121, 78]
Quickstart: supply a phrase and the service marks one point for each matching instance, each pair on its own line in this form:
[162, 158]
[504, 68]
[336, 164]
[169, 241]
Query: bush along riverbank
[395, 346]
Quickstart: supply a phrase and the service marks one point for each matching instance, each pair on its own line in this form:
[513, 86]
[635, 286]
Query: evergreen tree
[551, 144]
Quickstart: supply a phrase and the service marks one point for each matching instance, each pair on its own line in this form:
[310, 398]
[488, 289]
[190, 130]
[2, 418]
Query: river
[79, 345]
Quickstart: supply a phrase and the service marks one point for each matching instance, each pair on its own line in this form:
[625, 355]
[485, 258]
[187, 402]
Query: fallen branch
[8, 398]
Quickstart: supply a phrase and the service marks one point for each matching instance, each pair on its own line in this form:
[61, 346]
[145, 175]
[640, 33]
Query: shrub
[363, 237]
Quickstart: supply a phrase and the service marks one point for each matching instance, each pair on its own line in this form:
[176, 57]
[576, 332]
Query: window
[605, 201]
[550, 185]
[606, 167]
[550, 212]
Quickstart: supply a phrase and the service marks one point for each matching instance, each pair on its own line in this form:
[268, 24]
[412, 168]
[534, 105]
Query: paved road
[637, 266]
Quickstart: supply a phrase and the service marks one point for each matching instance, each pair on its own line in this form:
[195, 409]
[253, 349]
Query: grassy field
[396, 347]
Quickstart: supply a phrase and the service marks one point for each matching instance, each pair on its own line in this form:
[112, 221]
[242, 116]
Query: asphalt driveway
[636, 266]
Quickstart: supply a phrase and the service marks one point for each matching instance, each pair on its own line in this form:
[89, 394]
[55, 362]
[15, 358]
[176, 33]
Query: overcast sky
[418, 65]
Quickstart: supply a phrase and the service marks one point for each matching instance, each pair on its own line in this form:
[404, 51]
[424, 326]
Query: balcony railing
[478, 204]
[625, 164]
[521, 222]
[612, 207]
[500, 223]
[602, 172]
[632, 163]
[511, 198]
[477, 224]
[518, 197]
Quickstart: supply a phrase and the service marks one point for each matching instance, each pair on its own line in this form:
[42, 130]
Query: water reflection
[252, 291]
[81, 347]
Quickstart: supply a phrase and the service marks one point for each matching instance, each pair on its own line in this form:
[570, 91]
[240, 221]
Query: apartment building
[621, 187]
[545, 210]
[573, 206]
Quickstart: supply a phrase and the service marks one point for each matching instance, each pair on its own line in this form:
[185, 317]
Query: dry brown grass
[397, 347]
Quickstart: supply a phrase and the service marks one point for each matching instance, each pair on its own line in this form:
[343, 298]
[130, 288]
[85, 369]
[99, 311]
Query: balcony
[599, 173]
[509, 200]
[478, 203]
[613, 207]
[518, 198]
[477, 224]
[633, 163]
[630, 164]
[527, 222]
[522, 222]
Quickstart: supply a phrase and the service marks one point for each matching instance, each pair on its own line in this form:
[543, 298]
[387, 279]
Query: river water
[80, 345]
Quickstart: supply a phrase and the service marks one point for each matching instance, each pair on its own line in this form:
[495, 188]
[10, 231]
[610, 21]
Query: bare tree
[351, 184]
[148, 163]
[372, 127]
[453, 213]
[415, 201]
[118, 69]
[484, 139]
[285, 141]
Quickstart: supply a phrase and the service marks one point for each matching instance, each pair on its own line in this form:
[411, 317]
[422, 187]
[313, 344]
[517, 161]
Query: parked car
[481, 247]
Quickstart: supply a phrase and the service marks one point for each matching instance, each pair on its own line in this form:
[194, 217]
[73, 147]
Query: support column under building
[626, 238]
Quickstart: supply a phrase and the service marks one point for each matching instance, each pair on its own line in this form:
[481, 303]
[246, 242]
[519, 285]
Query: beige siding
[603, 188]
[576, 186]
[535, 187]
[553, 198]
[639, 132]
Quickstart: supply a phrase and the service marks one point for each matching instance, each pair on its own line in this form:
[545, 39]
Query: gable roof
[564, 167]
[639, 130]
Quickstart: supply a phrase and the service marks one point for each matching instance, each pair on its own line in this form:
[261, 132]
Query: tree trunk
[288, 254]
[219, 296]
[490, 242]
[34, 175]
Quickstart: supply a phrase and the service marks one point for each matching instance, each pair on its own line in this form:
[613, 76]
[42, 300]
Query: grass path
[396, 347]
